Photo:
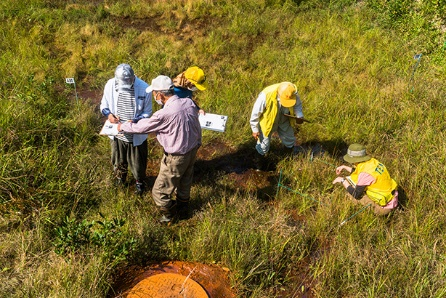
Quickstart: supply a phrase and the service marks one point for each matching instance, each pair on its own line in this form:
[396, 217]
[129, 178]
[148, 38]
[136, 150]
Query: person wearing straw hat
[189, 81]
[271, 113]
[178, 131]
[369, 181]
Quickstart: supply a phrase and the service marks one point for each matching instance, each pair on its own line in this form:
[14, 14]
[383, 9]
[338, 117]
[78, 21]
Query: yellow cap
[287, 93]
[196, 76]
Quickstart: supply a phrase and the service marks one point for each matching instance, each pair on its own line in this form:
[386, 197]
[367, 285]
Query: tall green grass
[65, 230]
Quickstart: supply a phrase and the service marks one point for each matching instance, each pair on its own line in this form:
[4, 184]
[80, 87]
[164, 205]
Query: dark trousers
[124, 155]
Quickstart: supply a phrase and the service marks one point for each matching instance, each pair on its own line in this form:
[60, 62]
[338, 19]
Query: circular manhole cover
[167, 285]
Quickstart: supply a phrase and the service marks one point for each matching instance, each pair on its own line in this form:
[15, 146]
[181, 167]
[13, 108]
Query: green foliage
[261, 258]
[74, 236]
[422, 22]
[353, 64]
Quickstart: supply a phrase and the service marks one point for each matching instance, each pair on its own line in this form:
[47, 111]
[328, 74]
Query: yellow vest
[380, 191]
[271, 109]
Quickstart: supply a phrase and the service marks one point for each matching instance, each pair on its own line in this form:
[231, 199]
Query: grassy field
[65, 230]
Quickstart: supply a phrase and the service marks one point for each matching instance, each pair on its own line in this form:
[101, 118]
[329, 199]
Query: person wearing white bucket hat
[179, 133]
[369, 181]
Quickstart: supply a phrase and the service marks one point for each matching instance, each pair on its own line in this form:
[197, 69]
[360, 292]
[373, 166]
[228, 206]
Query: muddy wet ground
[212, 278]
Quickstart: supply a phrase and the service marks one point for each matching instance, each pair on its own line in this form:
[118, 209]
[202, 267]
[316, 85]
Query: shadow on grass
[217, 161]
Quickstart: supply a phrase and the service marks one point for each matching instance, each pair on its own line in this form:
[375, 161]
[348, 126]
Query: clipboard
[213, 122]
[109, 129]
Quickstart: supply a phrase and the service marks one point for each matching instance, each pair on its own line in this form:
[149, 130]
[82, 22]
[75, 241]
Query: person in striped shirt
[125, 98]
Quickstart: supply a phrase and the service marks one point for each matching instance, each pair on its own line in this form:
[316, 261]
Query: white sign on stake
[71, 81]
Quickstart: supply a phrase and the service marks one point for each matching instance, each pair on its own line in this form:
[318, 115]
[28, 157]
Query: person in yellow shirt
[276, 109]
[369, 181]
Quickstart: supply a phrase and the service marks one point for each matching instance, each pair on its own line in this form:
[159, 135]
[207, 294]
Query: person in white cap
[277, 108]
[369, 181]
[178, 131]
[125, 98]
[189, 81]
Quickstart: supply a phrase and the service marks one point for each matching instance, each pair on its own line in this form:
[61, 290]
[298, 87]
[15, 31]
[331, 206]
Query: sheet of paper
[213, 122]
[109, 129]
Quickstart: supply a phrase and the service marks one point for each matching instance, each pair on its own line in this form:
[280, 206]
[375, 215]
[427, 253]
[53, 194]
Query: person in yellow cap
[189, 81]
[271, 113]
[369, 181]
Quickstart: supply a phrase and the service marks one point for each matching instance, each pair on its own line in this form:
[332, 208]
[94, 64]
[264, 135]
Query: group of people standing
[127, 101]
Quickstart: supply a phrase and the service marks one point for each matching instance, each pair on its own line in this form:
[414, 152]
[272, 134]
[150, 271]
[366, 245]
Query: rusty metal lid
[167, 285]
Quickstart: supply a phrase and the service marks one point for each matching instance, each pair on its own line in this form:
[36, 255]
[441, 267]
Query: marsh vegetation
[65, 230]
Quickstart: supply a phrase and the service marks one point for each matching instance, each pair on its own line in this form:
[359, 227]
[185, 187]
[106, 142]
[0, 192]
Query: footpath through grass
[65, 230]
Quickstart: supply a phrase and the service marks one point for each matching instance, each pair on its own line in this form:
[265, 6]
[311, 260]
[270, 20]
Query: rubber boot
[168, 212]
[120, 181]
[139, 188]
[260, 162]
[183, 208]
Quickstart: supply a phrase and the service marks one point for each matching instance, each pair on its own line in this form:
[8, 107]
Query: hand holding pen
[113, 119]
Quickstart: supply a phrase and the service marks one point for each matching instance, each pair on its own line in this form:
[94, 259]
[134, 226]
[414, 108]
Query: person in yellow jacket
[369, 181]
[271, 113]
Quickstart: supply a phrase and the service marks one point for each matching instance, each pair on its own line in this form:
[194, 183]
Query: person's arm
[146, 125]
[257, 111]
[357, 191]
[298, 112]
[343, 167]
[106, 102]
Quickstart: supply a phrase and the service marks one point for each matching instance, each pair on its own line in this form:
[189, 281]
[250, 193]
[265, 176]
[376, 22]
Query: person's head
[196, 78]
[124, 76]
[287, 93]
[161, 88]
[356, 153]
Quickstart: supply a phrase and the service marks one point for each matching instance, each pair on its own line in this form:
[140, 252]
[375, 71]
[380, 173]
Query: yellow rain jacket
[380, 191]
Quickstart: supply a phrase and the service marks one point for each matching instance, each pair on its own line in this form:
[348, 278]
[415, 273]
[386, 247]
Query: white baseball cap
[160, 83]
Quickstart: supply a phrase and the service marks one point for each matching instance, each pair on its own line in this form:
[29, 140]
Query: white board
[213, 122]
[109, 129]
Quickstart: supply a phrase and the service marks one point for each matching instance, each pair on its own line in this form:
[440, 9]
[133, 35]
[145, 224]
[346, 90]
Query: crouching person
[179, 133]
[369, 181]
